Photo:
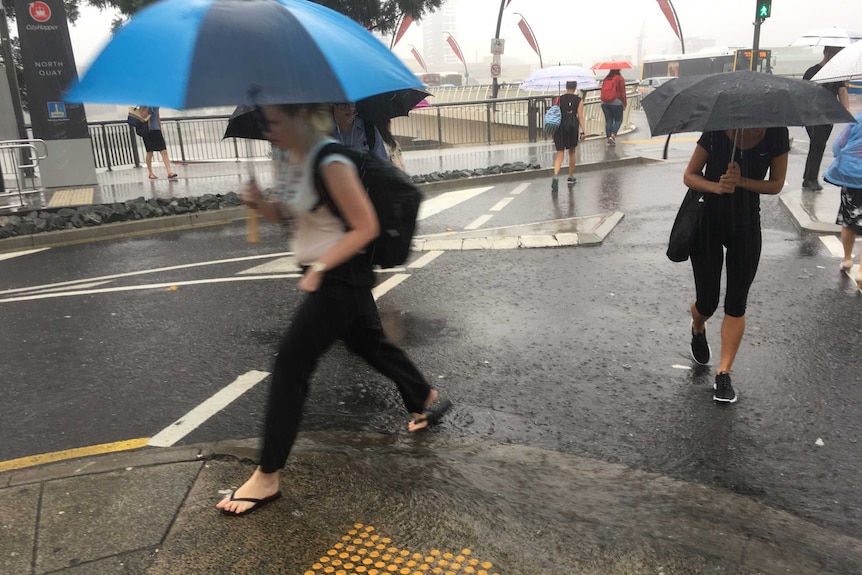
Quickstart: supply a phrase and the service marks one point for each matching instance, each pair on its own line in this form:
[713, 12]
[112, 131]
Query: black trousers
[817, 135]
[743, 256]
[335, 311]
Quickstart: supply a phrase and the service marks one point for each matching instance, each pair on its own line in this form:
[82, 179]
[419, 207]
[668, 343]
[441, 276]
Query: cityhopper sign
[49, 68]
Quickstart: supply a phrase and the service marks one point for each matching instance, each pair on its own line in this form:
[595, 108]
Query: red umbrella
[613, 65]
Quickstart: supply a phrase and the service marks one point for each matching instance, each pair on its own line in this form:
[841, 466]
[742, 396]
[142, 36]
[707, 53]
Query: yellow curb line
[41, 459]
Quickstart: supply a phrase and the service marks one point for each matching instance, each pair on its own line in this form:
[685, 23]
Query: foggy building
[436, 51]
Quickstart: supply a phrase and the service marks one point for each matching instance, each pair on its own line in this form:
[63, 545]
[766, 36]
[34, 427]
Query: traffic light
[764, 9]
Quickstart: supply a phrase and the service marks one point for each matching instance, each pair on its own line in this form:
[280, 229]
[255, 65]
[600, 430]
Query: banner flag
[455, 48]
[670, 14]
[528, 34]
[405, 23]
[419, 59]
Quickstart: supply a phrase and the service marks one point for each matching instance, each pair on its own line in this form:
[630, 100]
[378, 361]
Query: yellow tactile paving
[363, 552]
[71, 197]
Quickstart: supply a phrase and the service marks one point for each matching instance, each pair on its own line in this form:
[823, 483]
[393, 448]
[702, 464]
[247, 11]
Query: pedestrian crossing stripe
[364, 552]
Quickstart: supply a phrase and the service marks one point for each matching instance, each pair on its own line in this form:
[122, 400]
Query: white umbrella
[839, 37]
[554, 79]
[845, 65]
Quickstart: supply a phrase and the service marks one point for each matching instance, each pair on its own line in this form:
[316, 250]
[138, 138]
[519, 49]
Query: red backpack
[609, 90]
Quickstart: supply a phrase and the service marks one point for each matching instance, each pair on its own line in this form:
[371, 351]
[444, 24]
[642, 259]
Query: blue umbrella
[197, 53]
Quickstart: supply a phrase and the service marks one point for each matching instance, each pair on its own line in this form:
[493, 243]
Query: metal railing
[21, 158]
[444, 124]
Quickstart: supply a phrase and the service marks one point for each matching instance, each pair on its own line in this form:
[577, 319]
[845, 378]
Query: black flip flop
[434, 413]
[258, 503]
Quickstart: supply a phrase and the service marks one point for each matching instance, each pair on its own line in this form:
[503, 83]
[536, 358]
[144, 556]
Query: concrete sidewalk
[378, 504]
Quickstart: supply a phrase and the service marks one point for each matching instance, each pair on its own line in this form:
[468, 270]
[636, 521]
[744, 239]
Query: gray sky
[570, 31]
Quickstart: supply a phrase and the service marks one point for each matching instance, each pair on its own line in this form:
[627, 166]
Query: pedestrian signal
[764, 9]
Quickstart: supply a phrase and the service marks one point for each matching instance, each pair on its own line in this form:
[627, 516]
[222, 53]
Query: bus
[442, 79]
[680, 65]
[429, 80]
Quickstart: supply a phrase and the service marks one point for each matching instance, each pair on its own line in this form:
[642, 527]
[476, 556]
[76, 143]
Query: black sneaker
[724, 391]
[700, 351]
[555, 184]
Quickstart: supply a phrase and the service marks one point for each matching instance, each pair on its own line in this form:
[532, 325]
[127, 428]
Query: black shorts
[566, 139]
[154, 141]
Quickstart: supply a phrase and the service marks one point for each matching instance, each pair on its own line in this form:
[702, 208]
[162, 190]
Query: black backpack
[570, 115]
[395, 198]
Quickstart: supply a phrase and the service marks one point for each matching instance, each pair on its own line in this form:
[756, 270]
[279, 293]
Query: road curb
[242, 449]
[123, 229]
[791, 201]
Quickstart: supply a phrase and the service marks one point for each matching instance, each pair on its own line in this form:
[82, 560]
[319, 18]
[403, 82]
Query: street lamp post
[495, 87]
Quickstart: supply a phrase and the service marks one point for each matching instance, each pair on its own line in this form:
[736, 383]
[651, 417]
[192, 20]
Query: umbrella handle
[251, 215]
[252, 235]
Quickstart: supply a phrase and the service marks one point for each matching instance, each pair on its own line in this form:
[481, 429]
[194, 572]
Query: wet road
[580, 351]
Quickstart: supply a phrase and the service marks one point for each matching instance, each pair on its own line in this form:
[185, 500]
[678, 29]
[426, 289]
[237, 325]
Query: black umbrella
[383, 107]
[248, 122]
[736, 100]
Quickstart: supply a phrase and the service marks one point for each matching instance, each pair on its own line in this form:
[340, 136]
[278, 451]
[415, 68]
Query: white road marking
[501, 204]
[678, 366]
[833, 244]
[426, 259]
[520, 189]
[143, 272]
[193, 419]
[11, 255]
[380, 290]
[147, 287]
[435, 205]
[78, 286]
[280, 265]
[478, 222]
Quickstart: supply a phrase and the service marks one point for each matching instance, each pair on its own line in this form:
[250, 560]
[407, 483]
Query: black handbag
[686, 226]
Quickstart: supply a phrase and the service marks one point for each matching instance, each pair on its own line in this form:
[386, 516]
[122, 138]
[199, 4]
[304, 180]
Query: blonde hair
[319, 115]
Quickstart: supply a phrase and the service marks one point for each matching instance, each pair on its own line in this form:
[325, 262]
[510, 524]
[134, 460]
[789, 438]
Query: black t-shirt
[742, 207]
[831, 86]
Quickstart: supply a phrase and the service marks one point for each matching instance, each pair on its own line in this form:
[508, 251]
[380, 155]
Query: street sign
[495, 70]
[498, 45]
[56, 110]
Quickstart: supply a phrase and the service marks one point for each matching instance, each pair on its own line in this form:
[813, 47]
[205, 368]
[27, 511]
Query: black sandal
[258, 503]
[433, 414]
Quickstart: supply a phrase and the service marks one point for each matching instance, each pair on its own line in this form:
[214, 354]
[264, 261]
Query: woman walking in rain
[731, 167]
[613, 98]
[846, 171]
[337, 281]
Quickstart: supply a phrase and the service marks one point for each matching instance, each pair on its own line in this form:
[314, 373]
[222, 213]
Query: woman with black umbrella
[731, 167]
